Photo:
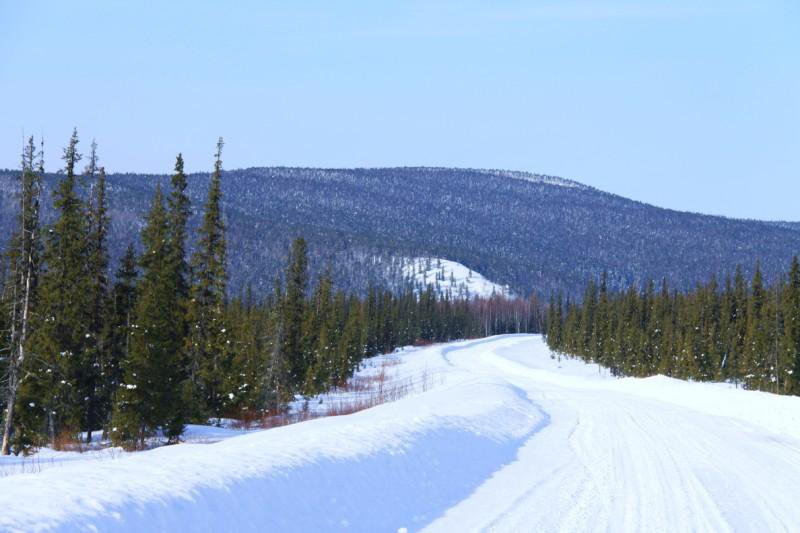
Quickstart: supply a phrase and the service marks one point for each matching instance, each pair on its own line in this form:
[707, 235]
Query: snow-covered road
[636, 455]
[496, 435]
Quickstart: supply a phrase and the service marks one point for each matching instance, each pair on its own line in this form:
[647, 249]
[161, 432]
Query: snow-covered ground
[452, 278]
[492, 434]
[101, 449]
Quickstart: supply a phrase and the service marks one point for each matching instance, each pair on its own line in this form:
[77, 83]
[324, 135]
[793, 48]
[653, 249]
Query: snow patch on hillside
[451, 278]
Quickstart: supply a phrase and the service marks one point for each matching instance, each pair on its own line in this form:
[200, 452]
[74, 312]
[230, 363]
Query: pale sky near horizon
[687, 105]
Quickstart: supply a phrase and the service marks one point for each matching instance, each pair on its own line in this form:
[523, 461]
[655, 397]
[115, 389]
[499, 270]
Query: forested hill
[532, 232]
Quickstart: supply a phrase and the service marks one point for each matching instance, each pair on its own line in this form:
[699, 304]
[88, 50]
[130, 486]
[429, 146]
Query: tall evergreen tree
[601, 331]
[277, 385]
[791, 338]
[149, 398]
[587, 318]
[321, 337]
[98, 348]
[292, 312]
[208, 347]
[739, 309]
[121, 324]
[757, 339]
[23, 258]
[350, 350]
[60, 340]
[179, 211]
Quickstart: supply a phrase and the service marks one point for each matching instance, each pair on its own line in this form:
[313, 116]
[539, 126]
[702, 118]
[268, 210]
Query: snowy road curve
[636, 455]
[497, 435]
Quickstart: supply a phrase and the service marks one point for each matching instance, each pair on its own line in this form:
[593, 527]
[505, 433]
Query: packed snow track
[496, 434]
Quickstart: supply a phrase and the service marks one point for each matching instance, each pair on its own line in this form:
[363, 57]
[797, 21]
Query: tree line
[161, 343]
[747, 333]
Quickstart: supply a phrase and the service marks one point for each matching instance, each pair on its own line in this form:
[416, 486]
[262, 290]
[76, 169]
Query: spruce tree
[708, 357]
[208, 346]
[553, 324]
[179, 211]
[781, 362]
[292, 312]
[587, 320]
[60, 342]
[320, 336]
[791, 336]
[572, 328]
[121, 323]
[739, 310]
[23, 258]
[350, 350]
[277, 384]
[149, 398]
[661, 329]
[244, 380]
[649, 325]
[757, 346]
[601, 333]
[371, 321]
[725, 328]
[97, 360]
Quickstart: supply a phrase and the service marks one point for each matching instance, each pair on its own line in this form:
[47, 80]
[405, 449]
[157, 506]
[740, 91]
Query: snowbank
[396, 465]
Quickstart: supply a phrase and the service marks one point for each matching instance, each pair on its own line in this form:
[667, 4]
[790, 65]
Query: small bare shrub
[68, 441]
[246, 419]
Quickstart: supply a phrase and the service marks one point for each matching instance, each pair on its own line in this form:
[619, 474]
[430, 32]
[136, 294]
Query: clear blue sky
[689, 105]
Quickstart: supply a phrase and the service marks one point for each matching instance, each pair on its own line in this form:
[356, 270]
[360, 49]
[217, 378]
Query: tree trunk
[12, 398]
[12, 379]
[19, 349]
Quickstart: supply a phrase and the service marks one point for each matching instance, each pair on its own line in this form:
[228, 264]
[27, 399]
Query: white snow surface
[451, 278]
[494, 434]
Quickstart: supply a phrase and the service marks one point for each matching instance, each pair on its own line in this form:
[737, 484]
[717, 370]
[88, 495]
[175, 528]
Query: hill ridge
[533, 232]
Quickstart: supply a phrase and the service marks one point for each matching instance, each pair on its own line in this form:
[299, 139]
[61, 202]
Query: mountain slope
[530, 232]
[505, 438]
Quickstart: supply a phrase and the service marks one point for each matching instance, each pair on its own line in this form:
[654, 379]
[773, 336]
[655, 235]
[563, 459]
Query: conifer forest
[140, 348]
[743, 331]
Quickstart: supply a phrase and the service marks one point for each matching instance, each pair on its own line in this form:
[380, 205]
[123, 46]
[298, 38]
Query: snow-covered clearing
[502, 437]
